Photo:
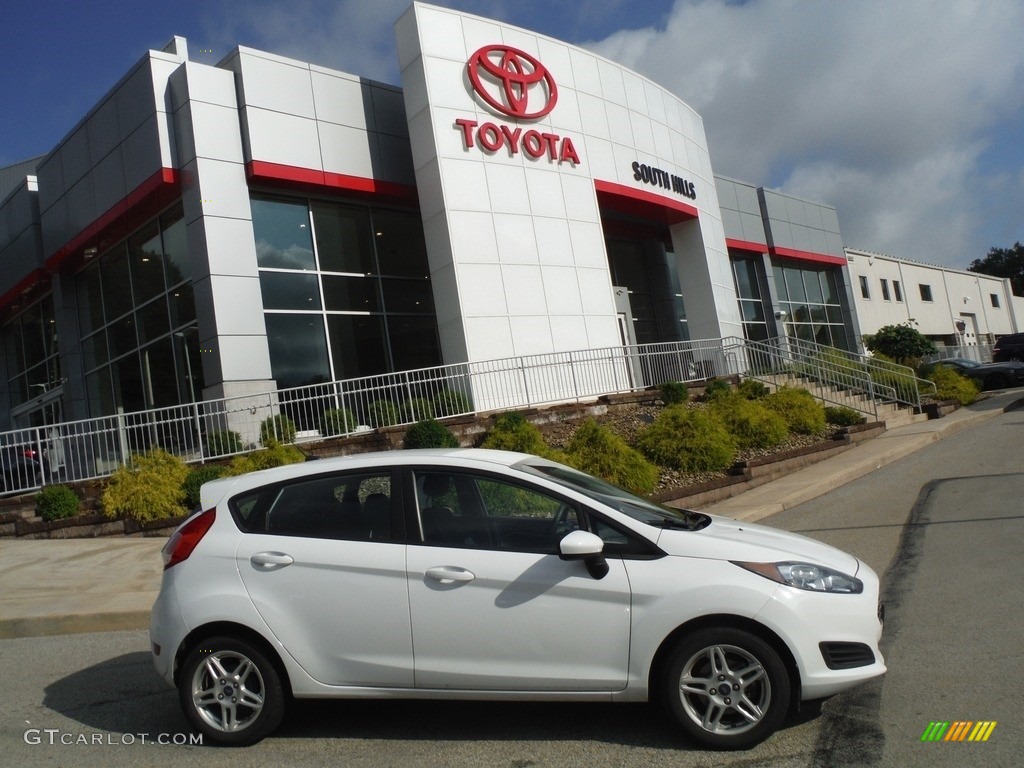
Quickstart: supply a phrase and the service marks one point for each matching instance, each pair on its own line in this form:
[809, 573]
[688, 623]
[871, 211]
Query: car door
[493, 606]
[325, 567]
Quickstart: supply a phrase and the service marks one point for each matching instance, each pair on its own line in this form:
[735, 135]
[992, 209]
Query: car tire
[997, 381]
[230, 692]
[726, 688]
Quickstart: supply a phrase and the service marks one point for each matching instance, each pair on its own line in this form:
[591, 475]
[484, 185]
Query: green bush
[383, 413]
[751, 423]
[512, 432]
[274, 455]
[418, 409]
[195, 479]
[752, 389]
[149, 488]
[902, 343]
[950, 385]
[429, 434]
[716, 388]
[223, 442]
[56, 502]
[841, 416]
[688, 440]
[674, 392]
[449, 402]
[599, 451]
[338, 421]
[803, 414]
[277, 428]
[891, 375]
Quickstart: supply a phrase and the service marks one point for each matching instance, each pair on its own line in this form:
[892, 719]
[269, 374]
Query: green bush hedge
[429, 434]
[194, 481]
[512, 432]
[674, 392]
[384, 413]
[338, 421]
[950, 385]
[599, 451]
[803, 414]
[751, 423]
[274, 455]
[752, 389]
[56, 502]
[223, 442]
[149, 488]
[449, 402]
[279, 428]
[688, 440]
[418, 409]
[841, 416]
[716, 388]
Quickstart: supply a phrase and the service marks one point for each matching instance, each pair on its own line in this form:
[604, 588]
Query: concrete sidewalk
[59, 586]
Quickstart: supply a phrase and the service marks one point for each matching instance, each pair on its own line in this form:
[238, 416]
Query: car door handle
[447, 574]
[271, 560]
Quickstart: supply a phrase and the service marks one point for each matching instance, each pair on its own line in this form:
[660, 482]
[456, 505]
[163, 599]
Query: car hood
[727, 539]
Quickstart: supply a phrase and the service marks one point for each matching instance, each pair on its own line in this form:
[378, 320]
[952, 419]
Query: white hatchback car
[475, 574]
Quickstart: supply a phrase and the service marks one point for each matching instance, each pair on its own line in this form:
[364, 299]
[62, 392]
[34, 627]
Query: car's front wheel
[230, 692]
[727, 688]
[997, 381]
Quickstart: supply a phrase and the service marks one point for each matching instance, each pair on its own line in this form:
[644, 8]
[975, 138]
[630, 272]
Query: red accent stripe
[639, 202]
[37, 277]
[746, 245]
[821, 258]
[260, 172]
[143, 202]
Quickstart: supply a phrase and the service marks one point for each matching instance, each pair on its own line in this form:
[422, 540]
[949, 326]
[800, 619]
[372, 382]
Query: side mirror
[585, 546]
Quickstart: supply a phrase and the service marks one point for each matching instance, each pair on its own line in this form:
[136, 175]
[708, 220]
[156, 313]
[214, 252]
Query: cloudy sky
[907, 116]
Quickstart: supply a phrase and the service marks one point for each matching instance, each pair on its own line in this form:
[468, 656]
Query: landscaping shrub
[274, 455]
[689, 440]
[338, 421]
[383, 413]
[674, 392]
[149, 488]
[56, 502]
[751, 423]
[892, 375]
[803, 414]
[842, 416]
[418, 409]
[277, 428]
[223, 442]
[716, 388]
[449, 402]
[752, 389]
[429, 434]
[194, 481]
[512, 432]
[599, 451]
[902, 343]
[950, 385]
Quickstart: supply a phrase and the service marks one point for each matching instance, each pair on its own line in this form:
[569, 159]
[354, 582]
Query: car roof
[215, 490]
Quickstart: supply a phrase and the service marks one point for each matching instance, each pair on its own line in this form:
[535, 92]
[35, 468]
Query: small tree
[902, 343]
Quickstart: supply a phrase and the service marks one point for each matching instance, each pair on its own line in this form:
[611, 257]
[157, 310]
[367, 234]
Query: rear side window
[345, 506]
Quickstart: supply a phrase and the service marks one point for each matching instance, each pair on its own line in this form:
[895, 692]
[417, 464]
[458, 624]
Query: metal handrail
[88, 449]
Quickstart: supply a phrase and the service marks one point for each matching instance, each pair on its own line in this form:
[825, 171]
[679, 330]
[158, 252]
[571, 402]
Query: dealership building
[265, 223]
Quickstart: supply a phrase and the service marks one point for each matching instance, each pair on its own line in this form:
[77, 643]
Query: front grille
[846, 655]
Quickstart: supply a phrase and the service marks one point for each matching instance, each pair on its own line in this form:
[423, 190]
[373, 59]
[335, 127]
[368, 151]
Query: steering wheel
[562, 525]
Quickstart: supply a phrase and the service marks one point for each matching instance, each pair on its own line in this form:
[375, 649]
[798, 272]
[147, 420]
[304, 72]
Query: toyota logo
[512, 82]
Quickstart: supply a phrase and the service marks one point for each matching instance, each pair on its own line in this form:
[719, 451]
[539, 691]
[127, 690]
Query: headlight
[814, 578]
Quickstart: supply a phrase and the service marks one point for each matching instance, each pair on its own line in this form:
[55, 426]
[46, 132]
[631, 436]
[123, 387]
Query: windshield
[640, 509]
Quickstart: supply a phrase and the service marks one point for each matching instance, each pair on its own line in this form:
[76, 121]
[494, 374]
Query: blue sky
[907, 116]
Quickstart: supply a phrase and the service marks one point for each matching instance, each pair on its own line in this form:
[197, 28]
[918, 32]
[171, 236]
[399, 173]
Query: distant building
[952, 307]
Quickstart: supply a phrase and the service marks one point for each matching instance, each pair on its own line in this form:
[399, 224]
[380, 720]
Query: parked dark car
[988, 375]
[23, 467]
[1009, 348]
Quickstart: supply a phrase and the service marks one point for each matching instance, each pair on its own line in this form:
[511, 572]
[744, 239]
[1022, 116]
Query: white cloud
[881, 109]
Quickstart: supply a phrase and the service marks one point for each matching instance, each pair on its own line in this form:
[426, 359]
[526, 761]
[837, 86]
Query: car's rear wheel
[230, 692]
[727, 688]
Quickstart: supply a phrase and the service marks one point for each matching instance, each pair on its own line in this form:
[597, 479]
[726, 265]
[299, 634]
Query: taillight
[185, 539]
